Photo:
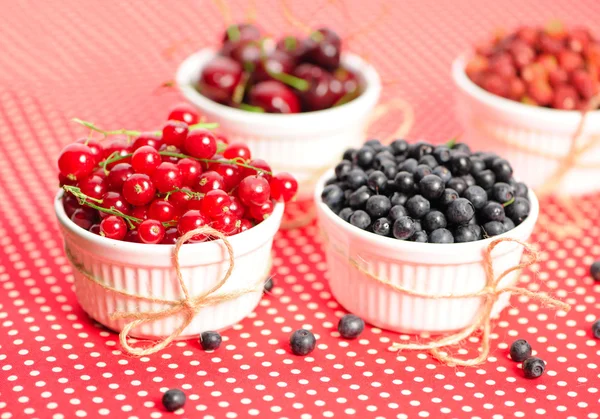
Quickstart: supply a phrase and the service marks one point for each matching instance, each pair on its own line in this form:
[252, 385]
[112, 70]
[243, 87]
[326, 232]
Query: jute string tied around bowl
[490, 294]
[188, 306]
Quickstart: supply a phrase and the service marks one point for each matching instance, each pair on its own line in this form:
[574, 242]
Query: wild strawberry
[548, 61]
[565, 97]
[516, 88]
[533, 72]
[495, 84]
[476, 65]
[557, 77]
[584, 84]
[569, 60]
[528, 35]
[578, 39]
[522, 53]
[503, 66]
[540, 91]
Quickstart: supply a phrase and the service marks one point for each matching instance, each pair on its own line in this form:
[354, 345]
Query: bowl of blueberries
[299, 102]
[420, 216]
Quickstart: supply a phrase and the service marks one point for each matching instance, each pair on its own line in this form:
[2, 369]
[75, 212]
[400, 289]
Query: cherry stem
[345, 99]
[293, 81]
[240, 89]
[251, 108]
[233, 33]
[510, 201]
[290, 43]
[132, 133]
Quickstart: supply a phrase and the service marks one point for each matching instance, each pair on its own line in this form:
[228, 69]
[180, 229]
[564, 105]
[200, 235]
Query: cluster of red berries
[551, 67]
[164, 184]
[293, 75]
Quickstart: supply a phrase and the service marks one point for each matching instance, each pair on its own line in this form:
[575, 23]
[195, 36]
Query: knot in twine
[490, 293]
[189, 306]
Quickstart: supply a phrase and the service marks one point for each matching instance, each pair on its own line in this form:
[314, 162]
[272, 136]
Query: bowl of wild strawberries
[298, 102]
[124, 205]
[524, 94]
[421, 217]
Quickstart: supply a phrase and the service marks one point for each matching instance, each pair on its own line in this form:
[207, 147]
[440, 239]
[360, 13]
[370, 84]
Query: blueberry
[429, 160]
[441, 154]
[458, 184]
[441, 235]
[381, 156]
[400, 159]
[477, 165]
[358, 199]
[469, 180]
[364, 157]
[360, 219]
[520, 350]
[419, 149]
[419, 237]
[443, 173]
[502, 170]
[333, 196]
[404, 182]
[447, 197]
[389, 169]
[403, 228]
[378, 206]
[460, 163]
[521, 190]
[302, 342]
[417, 206]
[518, 210]
[467, 233]
[418, 226]
[502, 192]
[400, 147]
[460, 211]
[346, 213]
[533, 367]
[342, 169]
[488, 159]
[434, 220]
[399, 198]
[374, 144]
[493, 211]
[173, 399]
[421, 171]
[397, 211]
[431, 187]
[356, 178]
[462, 147]
[508, 224]
[477, 196]
[268, 284]
[351, 326]
[493, 228]
[382, 226]
[210, 340]
[595, 270]
[596, 329]
[349, 154]
[408, 165]
[485, 178]
[377, 181]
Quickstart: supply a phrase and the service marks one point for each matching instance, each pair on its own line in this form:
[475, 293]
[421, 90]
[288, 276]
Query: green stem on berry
[290, 43]
[345, 99]
[233, 33]
[191, 194]
[292, 81]
[240, 89]
[317, 36]
[224, 161]
[251, 108]
[452, 141]
[509, 202]
[132, 133]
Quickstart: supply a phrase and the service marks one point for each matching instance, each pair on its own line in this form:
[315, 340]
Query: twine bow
[490, 293]
[189, 306]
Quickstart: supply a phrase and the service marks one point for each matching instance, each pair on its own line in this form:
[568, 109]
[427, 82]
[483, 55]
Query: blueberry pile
[426, 193]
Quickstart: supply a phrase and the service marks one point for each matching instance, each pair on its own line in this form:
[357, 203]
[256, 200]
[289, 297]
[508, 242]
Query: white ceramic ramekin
[147, 270]
[435, 269]
[304, 144]
[487, 117]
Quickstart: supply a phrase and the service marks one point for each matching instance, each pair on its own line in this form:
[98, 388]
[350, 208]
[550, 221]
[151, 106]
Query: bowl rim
[255, 232]
[190, 67]
[466, 84]
[405, 245]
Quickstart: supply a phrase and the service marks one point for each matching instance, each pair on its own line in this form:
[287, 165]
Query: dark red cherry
[293, 46]
[274, 97]
[247, 54]
[219, 78]
[241, 32]
[323, 49]
[276, 63]
[323, 89]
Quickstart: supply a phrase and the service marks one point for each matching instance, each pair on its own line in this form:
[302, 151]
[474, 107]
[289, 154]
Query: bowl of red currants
[124, 204]
[421, 217]
[298, 102]
[524, 94]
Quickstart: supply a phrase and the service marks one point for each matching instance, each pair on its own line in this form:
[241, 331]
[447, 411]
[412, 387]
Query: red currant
[236, 207]
[180, 200]
[132, 236]
[139, 212]
[162, 211]
[170, 149]
[263, 211]
[237, 150]
[113, 227]
[114, 200]
[175, 133]
[221, 138]
[201, 144]
[167, 177]
[76, 161]
[231, 174]
[70, 204]
[63, 180]
[117, 147]
[145, 160]
[185, 113]
[93, 186]
[215, 203]
[283, 186]
[83, 218]
[147, 138]
[192, 220]
[245, 225]
[227, 224]
[194, 204]
[190, 171]
[118, 175]
[171, 236]
[151, 232]
[95, 229]
[95, 147]
[262, 166]
[254, 190]
[209, 181]
[138, 190]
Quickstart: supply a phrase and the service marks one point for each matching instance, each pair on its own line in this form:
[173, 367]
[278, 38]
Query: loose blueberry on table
[426, 193]
[210, 340]
[533, 367]
[351, 326]
[595, 271]
[520, 350]
[173, 399]
[157, 186]
[294, 75]
[302, 342]
[552, 66]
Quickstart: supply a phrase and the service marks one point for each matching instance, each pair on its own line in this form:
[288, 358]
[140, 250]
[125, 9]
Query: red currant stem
[221, 147]
[225, 161]
[132, 133]
[188, 193]
[251, 108]
[114, 156]
[509, 202]
[293, 81]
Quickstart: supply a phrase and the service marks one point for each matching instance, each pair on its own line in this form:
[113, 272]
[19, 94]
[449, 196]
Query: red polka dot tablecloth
[105, 62]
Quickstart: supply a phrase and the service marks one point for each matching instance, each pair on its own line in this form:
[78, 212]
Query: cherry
[93, 186]
[323, 89]
[76, 161]
[139, 212]
[95, 229]
[162, 211]
[95, 147]
[147, 138]
[293, 46]
[167, 177]
[323, 49]
[236, 208]
[113, 227]
[231, 174]
[215, 203]
[171, 236]
[151, 232]
[276, 63]
[185, 113]
[138, 190]
[245, 225]
[350, 84]
[118, 175]
[283, 186]
[190, 171]
[170, 149]
[245, 31]
[227, 224]
[219, 79]
[247, 53]
[263, 211]
[192, 220]
[201, 144]
[254, 190]
[274, 97]
[132, 236]
[235, 150]
[114, 200]
[145, 160]
[180, 199]
[174, 133]
[262, 166]
[83, 218]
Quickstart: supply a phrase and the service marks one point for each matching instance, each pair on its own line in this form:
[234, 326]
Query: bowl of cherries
[123, 206]
[526, 92]
[298, 102]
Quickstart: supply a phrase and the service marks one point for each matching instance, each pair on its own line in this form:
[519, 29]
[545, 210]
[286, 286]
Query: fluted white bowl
[147, 270]
[436, 269]
[304, 144]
